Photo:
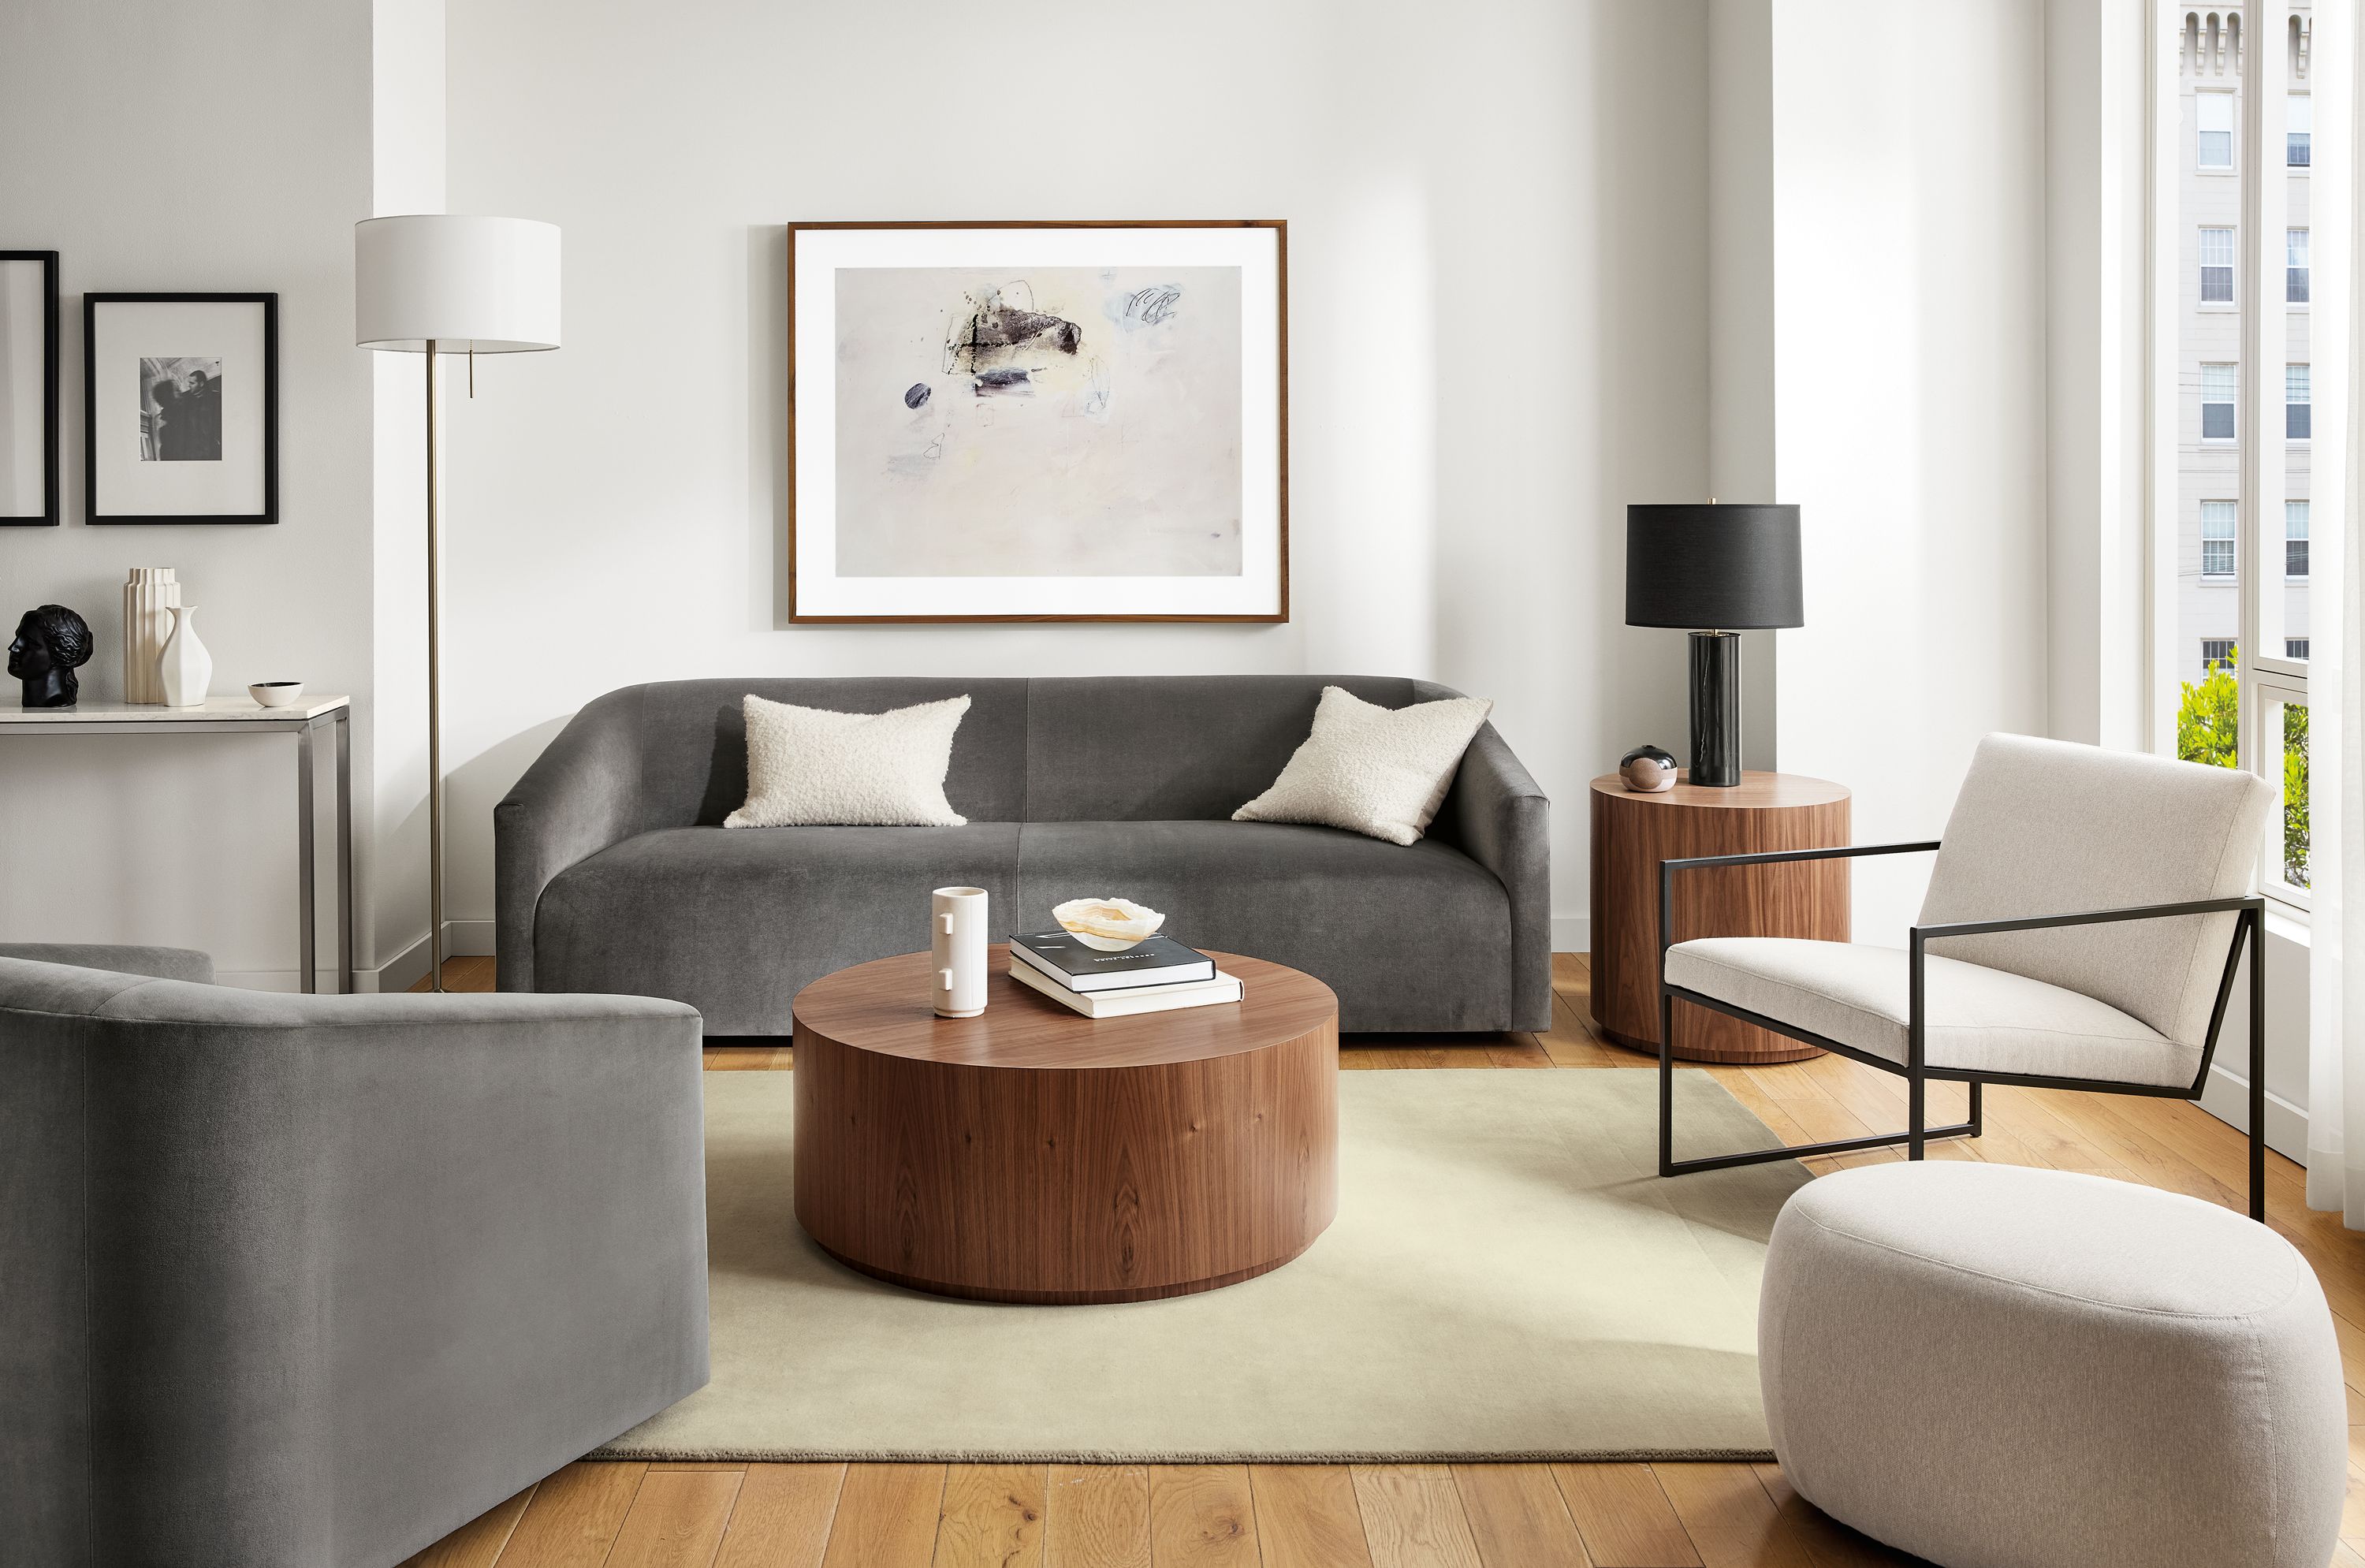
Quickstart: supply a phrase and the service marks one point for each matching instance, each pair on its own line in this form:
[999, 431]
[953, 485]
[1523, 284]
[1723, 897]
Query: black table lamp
[1715, 571]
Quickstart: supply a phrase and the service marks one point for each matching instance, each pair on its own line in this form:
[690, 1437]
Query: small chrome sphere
[1648, 770]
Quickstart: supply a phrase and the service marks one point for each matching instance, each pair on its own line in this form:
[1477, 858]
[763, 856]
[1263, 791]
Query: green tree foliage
[2295, 794]
[2206, 720]
[2207, 726]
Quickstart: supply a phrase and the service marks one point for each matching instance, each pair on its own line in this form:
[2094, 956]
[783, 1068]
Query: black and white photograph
[181, 408]
[29, 387]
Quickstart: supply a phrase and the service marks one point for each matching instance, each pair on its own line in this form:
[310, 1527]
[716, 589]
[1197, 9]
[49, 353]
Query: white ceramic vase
[149, 600]
[186, 669]
[956, 943]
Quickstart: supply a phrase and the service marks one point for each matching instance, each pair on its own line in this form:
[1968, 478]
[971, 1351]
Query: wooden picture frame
[180, 408]
[28, 388]
[1024, 406]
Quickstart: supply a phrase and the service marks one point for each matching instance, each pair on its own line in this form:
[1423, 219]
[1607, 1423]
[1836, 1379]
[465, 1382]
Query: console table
[309, 719]
[1633, 832]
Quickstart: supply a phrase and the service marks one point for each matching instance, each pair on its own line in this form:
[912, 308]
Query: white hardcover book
[1127, 1003]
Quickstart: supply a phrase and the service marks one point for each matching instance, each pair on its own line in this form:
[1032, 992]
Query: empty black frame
[92, 506]
[52, 510]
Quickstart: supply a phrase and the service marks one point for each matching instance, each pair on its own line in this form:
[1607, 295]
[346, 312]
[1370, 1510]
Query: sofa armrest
[1496, 815]
[582, 794]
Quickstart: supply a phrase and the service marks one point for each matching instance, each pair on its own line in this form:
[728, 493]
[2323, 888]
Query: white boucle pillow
[1380, 772]
[811, 768]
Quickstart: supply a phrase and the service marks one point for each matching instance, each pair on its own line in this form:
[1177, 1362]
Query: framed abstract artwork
[1039, 421]
[180, 408]
[29, 387]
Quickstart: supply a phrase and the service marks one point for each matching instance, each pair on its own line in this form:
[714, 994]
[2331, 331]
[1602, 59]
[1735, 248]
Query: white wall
[2095, 167]
[1910, 373]
[223, 147]
[406, 175]
[1498, 228]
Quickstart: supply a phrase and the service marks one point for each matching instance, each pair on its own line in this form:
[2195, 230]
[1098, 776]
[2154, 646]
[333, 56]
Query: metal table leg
[307, 977]
[344, 855]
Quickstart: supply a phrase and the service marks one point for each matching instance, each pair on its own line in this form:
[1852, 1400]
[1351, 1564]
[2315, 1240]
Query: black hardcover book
[1159, 960]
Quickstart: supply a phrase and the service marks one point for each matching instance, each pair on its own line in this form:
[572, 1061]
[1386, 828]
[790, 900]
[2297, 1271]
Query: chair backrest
[2050, 828]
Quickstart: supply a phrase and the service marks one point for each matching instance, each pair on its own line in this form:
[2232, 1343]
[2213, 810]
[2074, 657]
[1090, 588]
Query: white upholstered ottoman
[1995, 1367]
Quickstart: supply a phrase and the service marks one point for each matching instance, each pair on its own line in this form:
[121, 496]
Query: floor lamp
[438, 285]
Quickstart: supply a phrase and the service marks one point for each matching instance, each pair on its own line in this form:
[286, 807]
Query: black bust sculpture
[50, 643]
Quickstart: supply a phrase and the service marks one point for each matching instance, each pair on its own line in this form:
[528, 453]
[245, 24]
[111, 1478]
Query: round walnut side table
[1633, 832]
[1032, 1154]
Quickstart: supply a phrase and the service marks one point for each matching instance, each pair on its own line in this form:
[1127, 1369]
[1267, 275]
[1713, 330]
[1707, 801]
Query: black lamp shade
[1727, 567]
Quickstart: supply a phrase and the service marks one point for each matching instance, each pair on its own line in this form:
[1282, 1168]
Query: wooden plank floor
[1402, 1515]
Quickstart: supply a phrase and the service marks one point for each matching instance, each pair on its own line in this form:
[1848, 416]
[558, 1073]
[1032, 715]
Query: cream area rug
[1506, 1279]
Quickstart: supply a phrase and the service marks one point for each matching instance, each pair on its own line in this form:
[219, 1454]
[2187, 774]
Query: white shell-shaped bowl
[1108, 925]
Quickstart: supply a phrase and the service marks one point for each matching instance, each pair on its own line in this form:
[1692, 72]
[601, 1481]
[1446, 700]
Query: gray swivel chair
[314, 1279]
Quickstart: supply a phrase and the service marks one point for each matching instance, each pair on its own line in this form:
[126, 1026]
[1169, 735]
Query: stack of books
[1152, 976]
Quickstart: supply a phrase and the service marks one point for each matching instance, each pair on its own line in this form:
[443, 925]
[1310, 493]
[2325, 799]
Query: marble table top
[220, 709]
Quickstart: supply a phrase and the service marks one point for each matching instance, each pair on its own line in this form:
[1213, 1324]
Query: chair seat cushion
[1978, 1019]
[1996, 1367]
[1416, 938]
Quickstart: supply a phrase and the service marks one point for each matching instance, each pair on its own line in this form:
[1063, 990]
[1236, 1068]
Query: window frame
[2232, 404]
[2232, 542]
[2299, 270]
[2262, 473]
[2306, 522]
[2232, 133]
[2308, 380]
[2204, 266]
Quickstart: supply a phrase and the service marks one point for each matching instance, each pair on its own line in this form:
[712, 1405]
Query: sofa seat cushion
[1978, 1019]
[736, 923]
[1411, 938]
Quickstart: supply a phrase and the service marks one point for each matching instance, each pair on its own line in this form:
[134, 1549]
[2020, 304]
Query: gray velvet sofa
[613, 872]
[295, 1280]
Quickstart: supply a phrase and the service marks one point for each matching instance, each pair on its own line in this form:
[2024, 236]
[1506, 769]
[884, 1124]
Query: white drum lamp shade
[470, 284]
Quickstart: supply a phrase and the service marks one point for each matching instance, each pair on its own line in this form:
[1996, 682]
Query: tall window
[2216, 266]
[2217, 520]
[2213, 114]
[2237, 503]
[2219, 386]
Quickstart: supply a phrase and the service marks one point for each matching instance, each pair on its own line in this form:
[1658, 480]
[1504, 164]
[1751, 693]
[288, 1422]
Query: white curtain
[2336, 1090]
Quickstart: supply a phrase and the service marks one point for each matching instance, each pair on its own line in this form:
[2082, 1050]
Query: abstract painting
[1077, 421]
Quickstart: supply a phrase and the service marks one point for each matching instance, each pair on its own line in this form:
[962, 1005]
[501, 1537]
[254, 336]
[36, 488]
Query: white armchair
[2085, 919]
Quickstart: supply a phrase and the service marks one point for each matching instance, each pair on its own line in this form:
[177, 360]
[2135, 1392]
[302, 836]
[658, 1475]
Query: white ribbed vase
[149, 601]
[186, 669]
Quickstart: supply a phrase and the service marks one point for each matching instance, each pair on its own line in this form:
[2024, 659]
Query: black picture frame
[94, 512]
[52, 511]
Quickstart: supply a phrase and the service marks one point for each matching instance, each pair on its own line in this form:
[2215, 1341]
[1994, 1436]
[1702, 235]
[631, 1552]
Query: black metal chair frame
[2250, 929]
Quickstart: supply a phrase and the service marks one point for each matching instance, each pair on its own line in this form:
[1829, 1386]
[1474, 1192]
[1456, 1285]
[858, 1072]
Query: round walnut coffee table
[1031, 1154]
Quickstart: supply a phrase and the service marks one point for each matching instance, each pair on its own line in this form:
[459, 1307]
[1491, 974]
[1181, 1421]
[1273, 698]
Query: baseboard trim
[2226, 1096]
[462, 939]
[1572, 934]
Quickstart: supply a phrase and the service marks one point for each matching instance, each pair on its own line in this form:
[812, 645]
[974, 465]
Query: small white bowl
[276, 693]
[1108, 925]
